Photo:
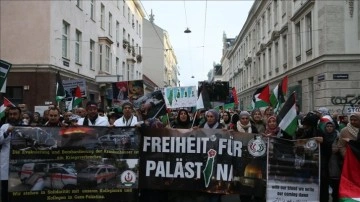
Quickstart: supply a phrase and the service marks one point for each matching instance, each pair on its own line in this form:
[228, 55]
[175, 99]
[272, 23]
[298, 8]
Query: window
[270, 61]
[258, 30]
[14, 94]
[137, 27]
[284, 49]
[263, 25]
[117, 31]
[132, 21]
[124, 8]
[107, 58]
[100, 57]
[118, 3]
[139, 30]
[276, 58]
[117, 66]
[308, 32]
[297, 39]
[283, 7]
[78, 47]
[128, 39]
[264, 65]
[128, 16]
[110, 24]
[65, 39]
[92, 9]
[276, 8]
[91, 54]
[124, 34]
[123, 71]
[102, 23]
[269, 18]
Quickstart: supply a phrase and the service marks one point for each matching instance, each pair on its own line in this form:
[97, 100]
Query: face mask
[25, 122]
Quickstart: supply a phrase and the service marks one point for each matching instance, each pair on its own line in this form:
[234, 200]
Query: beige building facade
[315, 43]
[99, 41]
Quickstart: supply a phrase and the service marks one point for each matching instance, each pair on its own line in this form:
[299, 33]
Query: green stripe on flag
[349, 199]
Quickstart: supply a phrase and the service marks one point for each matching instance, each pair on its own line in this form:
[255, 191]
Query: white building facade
[99, 41]
[315, 43]
[159, 64]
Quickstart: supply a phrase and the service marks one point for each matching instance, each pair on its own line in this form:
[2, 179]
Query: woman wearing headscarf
[212, 120]
[328, 152]
[244, 124]
[226, 119]
[350, 132]
[257, 120]
[272, 128]
[182, 120]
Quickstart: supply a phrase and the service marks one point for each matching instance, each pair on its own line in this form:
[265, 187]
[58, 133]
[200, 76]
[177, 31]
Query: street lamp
[187, 31]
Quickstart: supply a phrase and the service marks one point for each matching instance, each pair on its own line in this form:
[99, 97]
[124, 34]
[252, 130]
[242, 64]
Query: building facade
[315, 43]
[160, 63]
[98, 41]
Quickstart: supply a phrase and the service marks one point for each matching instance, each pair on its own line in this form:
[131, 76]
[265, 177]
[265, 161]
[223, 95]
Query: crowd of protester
[333, 135]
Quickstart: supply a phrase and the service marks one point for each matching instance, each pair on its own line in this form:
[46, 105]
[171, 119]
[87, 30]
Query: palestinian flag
[349, 190]
[6, 103]
[203, 101]
[77, 97]
[234, 95]
[60, 91]
[277, 96]
[4, 70]
[261, 97]
[323, 120]
[287, 116]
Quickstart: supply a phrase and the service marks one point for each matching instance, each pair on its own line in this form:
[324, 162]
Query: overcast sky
[197, 51]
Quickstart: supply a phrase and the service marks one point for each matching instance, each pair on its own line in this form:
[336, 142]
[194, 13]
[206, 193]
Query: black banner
[207, 160]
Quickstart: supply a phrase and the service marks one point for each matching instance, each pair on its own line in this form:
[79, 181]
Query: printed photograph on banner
[150, 105]
[87, 163]
[120, 93]
[136, 89]
[293, 170]
[177, 97]
[71, 85]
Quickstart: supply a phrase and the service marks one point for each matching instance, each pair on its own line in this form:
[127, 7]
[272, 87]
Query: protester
[182, 120]
[257, 120]
[328, 151]
[66, 121]
[234, 119]
[272, 128]
[225, 119]
[26, 118]
[37, 119]
[81, 112]
[128, 119]
[92, 118]
[212, 120]
[13, 119]
[244, 125]
[351, 132]
[53, 118]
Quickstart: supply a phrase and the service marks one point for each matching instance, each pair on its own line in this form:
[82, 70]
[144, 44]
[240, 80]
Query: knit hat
[244, 113]
[214, 113]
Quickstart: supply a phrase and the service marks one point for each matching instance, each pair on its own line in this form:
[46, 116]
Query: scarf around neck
[211, 127]
[353, 131]
[244, 128]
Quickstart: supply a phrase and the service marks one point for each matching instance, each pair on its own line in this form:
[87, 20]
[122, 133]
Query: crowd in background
[333, 134]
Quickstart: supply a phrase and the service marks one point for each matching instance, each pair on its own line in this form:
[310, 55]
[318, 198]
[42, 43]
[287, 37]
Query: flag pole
[158, 111]
[192, 125]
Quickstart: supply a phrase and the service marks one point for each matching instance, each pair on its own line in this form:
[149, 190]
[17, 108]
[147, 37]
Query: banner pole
[192, 125]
